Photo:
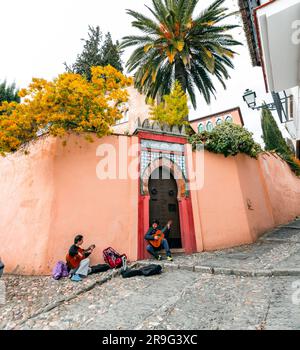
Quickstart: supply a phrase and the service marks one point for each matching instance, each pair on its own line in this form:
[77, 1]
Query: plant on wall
[228, 139]
[274, 141]
[68, 103]
[173, 109]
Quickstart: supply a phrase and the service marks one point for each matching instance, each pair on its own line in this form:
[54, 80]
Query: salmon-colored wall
[255, 199]
[52, 194]
[26, 197]
[220, 205]
[242, 198]
[282, 187]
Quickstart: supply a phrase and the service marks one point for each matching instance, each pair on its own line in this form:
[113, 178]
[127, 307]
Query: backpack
[113, 258]
[60, 270]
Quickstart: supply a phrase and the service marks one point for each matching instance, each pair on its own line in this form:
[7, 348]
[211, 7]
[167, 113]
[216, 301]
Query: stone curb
[61, 301]
[227, 271]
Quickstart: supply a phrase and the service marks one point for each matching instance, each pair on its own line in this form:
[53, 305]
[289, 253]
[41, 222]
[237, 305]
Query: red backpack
[113, 258]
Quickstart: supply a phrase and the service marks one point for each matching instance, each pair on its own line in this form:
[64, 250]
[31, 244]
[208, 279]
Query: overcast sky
[38, 36]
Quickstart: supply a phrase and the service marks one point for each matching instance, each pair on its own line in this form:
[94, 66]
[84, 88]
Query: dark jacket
[151, 232]
[1, 268]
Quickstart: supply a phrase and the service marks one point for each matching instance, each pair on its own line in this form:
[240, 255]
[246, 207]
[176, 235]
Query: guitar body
[157, 244]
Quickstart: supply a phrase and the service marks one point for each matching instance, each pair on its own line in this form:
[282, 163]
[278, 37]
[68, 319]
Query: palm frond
[176, 42]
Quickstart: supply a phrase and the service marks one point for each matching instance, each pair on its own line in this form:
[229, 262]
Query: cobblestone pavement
[176, 299]
[276, 251]
[27, 296]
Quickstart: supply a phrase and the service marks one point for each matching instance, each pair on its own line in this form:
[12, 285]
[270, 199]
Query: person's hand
[156, 238]
[91, 248]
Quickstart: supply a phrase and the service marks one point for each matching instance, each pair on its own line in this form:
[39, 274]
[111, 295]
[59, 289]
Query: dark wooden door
[164, 203]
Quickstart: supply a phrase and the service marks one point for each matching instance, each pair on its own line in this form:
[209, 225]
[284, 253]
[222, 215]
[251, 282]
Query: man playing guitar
[157, 240]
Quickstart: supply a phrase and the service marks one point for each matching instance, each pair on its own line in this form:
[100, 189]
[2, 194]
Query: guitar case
[147, 271]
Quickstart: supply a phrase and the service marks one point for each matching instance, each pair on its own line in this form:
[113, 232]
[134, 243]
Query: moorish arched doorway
[159, 152]
[163, 206]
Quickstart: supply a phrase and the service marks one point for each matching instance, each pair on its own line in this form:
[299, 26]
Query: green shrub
[292, 162]
[275, 142]
[228, 139]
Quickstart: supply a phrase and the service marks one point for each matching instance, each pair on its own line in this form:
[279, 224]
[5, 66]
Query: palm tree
[176, 45]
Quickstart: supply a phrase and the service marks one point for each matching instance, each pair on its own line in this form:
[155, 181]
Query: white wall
[243, 77]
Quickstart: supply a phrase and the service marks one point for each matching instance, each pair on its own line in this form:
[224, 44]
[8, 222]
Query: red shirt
[75, 256]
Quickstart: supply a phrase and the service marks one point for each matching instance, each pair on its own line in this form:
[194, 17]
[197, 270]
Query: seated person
[153, 248]
[1, 267]
[78, 259]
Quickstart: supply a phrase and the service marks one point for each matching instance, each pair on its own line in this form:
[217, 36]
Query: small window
[209, 126]
[125, 118]
[219, 121]
[229, 119]
[200, 128]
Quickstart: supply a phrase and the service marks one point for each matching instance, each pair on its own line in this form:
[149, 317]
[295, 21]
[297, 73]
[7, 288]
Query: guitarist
[153, 236]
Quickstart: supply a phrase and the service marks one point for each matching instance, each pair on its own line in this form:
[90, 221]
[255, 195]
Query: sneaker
[76, 278]
[159, 258]
[169, 258]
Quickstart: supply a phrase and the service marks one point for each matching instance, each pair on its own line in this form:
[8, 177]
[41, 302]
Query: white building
[273, 30]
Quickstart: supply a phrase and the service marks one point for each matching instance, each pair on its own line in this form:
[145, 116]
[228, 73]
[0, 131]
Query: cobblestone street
[250, 287]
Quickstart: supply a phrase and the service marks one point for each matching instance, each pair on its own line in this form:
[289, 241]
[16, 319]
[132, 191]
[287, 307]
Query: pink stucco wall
[52, 194]
[26, 195]
[282, 188]
[242, 198]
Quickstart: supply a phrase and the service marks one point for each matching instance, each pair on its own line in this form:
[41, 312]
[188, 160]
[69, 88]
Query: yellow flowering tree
[173, 110]
[68, 103]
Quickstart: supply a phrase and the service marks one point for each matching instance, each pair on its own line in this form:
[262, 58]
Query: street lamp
[250, 98]
[279, 104]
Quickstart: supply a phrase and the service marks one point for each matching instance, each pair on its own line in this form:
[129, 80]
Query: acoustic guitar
[161, 236]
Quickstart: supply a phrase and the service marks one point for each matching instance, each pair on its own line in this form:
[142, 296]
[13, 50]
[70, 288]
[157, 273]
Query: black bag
[1, 268]
[131, 273]
[147, 271]
[151, 270]
[100, 268]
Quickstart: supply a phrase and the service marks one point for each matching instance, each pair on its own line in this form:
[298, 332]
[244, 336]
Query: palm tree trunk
[180, 76]
[180, 73]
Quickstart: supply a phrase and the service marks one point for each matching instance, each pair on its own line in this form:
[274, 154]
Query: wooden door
[164, 203]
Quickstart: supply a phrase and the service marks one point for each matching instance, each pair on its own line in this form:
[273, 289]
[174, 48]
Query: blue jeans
[1, 268]
[154, 251]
